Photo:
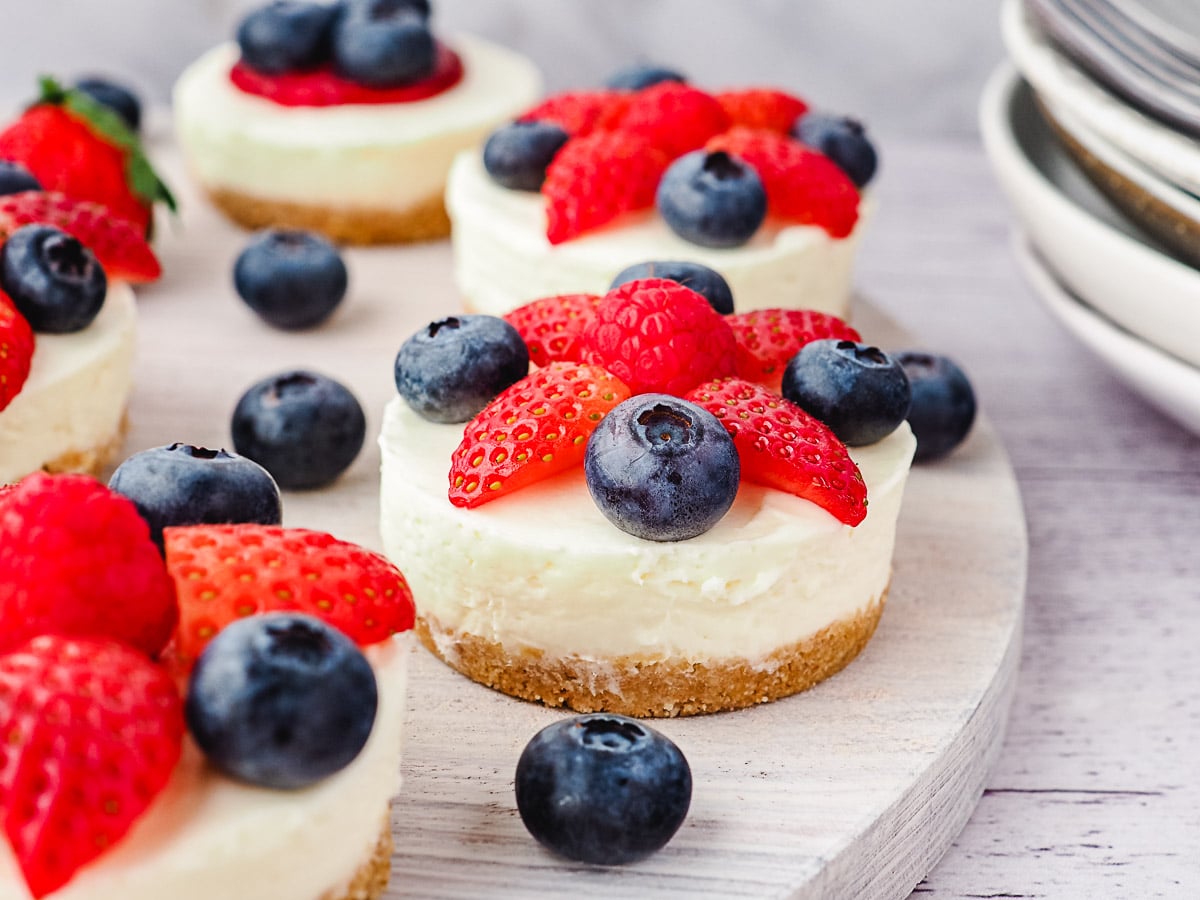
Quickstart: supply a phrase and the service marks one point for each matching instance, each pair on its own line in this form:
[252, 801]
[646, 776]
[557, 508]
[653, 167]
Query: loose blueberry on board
[117, 97]
[184, 485]
[712, 199]
[54, 281]
[943, 402]
[602, 789]
[637, 77]
[281, 700]
[661, 468]
[859, 391]
[516, 155]
[383, 44]
[287, 36]
[292, 279]
[16, 179]
[704, 281]
[451, 369]
[843, 140]
[302, 427]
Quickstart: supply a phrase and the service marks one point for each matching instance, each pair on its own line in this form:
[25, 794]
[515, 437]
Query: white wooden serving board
[853, 789]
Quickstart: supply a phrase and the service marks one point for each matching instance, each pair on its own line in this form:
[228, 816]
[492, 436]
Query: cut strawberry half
[16, 350]
[768, 338]
[674, 117]
[552, 326]
[579, 113]
[764, 108]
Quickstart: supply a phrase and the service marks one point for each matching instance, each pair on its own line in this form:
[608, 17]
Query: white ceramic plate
[1171, 154]
[1093, 249]
[1164, 381]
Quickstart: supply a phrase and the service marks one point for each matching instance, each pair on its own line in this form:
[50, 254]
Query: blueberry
[383, 43]
[701, 279]
[843, 140]
[661, 468]
[943, 402]
[281, 700]
[55, 281]
[452, 368]
[637, 77]
[859, 391]
[287, 36]
[16, 179]
[516, 155]
[184, 485]
[117, 97]
[292, 279]
[602, 789]
[712, 199]
[303, 428]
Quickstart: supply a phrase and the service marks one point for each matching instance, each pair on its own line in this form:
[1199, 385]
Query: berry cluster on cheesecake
[343, 117]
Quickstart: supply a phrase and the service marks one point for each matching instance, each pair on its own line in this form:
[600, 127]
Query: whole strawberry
[92, 732]
[16, 350]
[77, 559]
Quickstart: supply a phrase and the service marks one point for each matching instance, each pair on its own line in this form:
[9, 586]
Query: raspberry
[552, 326]
[675, 117]
[594, 179]
[16, 350]
[659, 337]
[762, 108]
[536, 428]
[768, 338]
[802, 185]
[227, 572]
[77, 559]
[579, 113]
[92, 732]
[781, 446]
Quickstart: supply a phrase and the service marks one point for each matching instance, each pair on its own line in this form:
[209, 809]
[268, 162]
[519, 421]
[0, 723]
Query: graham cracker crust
[426, 221]
[372, 876]
[646, 688]
[93, 461]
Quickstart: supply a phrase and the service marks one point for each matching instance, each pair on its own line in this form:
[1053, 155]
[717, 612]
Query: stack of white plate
[1098, 150]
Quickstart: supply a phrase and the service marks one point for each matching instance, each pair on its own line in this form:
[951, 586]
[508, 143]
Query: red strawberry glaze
[324, 87]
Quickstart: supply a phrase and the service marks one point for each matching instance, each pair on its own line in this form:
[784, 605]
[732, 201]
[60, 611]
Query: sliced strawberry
[120, 246]
[92, 732]
[594, 179]
[782, 446]
[675, 117]
[763, 108]
[802, 185]
[227, 572]
[16, 350]
[532, 430]
[579, 113]
[768, 338]
[552, 326]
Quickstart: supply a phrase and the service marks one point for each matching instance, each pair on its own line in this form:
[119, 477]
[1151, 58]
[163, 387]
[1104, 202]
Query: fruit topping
[116, 96]
[292, 279]
[802, 185]
[658, 336]
[579, 113]
[642, 76]
[782, 446]
[77, 559]
[534, 429]
[302, 427]
[383, 43]
[552, 327]
[55, 282]
[184, 485]
[602, 788]
[228, 572]
[712, 199]
[704, 281]
[768, 338]
[120, 246]
[674, 118]
[452, 368]
[16, 351]
[943, 402]
[16, 179]
[764, 108]
[286, 35]
[661, 468]
[281, 700]
[859, 391]
[843, 140]
[92, 732]
[594, 179]
[516, 156]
